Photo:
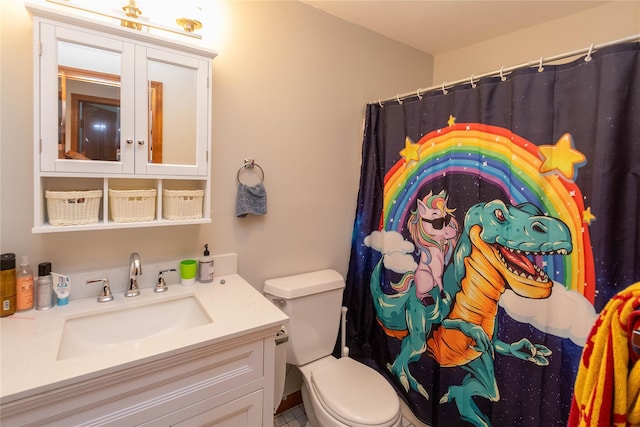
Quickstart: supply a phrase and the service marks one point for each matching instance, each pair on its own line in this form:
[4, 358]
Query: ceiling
[437, 27]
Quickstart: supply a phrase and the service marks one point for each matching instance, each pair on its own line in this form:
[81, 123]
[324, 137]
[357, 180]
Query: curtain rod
[501, 72]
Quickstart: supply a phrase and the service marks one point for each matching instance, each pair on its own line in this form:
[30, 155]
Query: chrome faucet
[135, 269]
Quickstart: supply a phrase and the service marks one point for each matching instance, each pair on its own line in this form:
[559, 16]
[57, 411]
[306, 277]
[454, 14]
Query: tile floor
[295, 417]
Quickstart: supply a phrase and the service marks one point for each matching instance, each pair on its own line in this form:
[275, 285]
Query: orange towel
[633, 396]
[607, 388]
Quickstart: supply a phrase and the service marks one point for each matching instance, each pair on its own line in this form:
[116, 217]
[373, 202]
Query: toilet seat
[355, 394]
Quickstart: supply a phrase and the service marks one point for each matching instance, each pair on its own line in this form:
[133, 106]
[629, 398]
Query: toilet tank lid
[304, 284]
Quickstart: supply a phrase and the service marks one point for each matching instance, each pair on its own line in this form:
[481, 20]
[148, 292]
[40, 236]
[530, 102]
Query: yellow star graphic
[563, 157]
[451, 121]
[587, 216]
[410, 151]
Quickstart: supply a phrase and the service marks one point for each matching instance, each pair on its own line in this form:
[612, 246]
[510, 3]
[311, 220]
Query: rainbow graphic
[542, 175]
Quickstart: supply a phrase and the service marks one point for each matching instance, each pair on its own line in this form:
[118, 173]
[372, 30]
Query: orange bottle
[24, 286]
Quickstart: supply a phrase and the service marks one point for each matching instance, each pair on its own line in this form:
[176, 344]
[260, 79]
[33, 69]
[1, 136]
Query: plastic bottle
[205, 267]
[8, 284]
[45, 287]
[61, 288]
[24, 286]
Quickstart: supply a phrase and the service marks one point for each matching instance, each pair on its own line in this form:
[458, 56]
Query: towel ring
[250, 164]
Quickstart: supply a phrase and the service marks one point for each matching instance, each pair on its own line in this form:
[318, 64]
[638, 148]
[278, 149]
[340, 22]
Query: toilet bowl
[346, 393]
[335, 392]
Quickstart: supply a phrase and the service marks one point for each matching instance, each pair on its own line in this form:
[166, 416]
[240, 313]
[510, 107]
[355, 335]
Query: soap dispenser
[205, 266]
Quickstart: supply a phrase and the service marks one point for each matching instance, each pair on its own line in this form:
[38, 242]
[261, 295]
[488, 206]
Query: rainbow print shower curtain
[493, 224]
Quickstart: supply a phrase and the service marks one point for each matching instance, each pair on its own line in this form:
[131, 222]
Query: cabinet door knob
[141, 142]
[129, 141]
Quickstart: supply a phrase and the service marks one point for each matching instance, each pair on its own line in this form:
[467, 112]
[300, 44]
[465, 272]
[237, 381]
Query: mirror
[172, 112]
[89, 114]
[88, 103]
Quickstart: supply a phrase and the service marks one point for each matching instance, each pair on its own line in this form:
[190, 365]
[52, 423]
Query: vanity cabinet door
[243, 411]
[111, 106]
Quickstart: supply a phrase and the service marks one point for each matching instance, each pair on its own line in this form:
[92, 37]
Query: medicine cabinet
[114, 104]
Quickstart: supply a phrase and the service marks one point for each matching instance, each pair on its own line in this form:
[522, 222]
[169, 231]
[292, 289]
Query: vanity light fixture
[190, 21]
[131, 18]
[189, 25]
[132, 11]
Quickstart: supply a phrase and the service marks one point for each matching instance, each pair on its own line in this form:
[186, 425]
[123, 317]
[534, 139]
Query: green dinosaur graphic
[460, 328]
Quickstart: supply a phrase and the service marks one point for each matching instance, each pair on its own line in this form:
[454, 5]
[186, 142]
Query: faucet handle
[106, 294]
[161, 286]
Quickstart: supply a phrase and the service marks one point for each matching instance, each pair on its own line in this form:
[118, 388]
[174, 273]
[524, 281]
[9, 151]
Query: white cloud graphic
[400, 263]
[395, 250]
[566, 314]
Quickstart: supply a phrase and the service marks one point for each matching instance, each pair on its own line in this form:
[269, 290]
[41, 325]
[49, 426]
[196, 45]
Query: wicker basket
[132, 205]
[73, 207]
[182, 204]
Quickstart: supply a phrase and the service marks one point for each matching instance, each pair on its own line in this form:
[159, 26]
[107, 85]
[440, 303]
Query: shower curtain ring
[380, 103]
[502, 77]
[540, 67]
[588, 57]
[398, 99]
[444, 91]
[473, 85]
[418, 93]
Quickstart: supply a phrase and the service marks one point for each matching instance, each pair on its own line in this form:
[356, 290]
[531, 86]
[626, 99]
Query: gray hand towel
[251, 200]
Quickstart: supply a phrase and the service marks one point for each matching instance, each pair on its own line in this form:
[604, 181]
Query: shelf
[105, 221]
[46, 228]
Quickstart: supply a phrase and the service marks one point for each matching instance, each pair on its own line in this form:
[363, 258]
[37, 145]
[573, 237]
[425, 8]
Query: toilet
[335, 392]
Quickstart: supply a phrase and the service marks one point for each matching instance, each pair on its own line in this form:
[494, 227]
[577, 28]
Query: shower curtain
[494, 221]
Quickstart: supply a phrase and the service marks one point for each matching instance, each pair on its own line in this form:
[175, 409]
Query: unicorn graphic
[434, 231]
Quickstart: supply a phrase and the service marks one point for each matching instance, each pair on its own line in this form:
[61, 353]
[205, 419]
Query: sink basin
[96, 332]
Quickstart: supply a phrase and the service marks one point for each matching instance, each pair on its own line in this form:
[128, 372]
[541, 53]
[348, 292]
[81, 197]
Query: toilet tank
[313, 303]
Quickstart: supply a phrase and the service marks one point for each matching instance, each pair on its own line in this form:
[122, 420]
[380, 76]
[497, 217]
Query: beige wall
[289, 90]
[602, 24]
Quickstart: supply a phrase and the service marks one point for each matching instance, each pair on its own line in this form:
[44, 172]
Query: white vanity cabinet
[218, 372]
[228, 384]
[117, 107]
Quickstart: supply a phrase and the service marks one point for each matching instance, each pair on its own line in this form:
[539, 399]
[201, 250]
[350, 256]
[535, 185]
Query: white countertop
[30, 340]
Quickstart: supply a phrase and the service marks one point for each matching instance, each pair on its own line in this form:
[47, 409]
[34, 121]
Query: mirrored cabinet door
[112, 106]
[172, 112]
[86, 101]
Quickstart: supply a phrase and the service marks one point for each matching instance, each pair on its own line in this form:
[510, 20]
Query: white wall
[289, 90]
[602, 24]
